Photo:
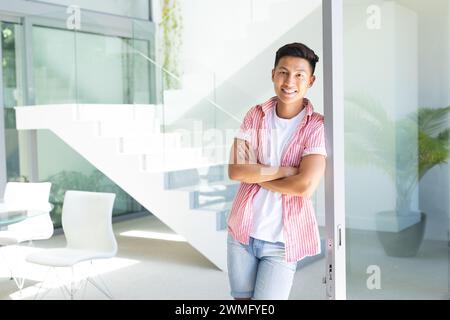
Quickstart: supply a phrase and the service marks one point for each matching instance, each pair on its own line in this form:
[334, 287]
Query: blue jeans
[259, 270]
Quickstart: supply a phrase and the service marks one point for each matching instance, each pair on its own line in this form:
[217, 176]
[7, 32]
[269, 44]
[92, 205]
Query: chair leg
[41, 284]
[72, 289]
[74, 286]
[60, 285]
[102, 287]
[103, 290]
[84, 289]
[20, 279]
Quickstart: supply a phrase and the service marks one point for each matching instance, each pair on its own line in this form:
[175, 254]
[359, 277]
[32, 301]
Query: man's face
[292, 77]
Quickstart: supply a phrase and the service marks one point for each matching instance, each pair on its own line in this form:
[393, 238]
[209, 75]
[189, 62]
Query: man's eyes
[298, 75]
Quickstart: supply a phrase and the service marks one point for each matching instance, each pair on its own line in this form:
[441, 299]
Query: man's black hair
[297, 50]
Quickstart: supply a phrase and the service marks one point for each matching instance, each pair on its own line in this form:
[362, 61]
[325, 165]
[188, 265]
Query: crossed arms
[301, 181]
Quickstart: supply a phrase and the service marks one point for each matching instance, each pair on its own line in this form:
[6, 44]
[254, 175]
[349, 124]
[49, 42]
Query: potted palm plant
[401, 229]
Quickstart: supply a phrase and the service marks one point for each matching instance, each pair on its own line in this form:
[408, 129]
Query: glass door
[396, 108]
[11, 32]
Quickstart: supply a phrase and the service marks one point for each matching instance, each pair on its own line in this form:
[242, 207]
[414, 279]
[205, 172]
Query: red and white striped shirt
[300, 230]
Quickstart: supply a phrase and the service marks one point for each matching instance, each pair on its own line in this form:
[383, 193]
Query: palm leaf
[432, 121]
[433, 138]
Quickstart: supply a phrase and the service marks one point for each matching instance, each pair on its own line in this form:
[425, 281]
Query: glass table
[10, 215]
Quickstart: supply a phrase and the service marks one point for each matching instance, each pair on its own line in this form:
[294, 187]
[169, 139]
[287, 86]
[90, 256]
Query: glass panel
[82, 67]
[54, 72]
[141, 79]
[130, 8]
[11, 35]
[397, 148]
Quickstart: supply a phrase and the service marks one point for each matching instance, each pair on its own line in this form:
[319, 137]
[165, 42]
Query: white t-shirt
[267, 205]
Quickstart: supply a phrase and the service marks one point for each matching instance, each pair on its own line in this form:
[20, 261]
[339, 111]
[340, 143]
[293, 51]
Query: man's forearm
[305, 182]
[294, 185]
[257, 173]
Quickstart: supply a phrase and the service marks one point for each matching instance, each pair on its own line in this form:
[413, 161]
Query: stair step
[221, 210]
[218, 193]
[203, 193]
[176, 155]
[196, 176]
[176, 159]
[216, 173]
[104, 112]
[151, 144]
[181, 178]
[217, 207]
[217, 154]
[145, 123]
[152, 163]
[43, 116]
[116, 129]
[221, 220]
[206, 186]
[147, 112]
[154, 143]
[198, 200]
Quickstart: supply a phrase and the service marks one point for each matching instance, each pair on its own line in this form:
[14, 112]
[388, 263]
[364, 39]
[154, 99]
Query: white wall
[238, 46]
[222, 36]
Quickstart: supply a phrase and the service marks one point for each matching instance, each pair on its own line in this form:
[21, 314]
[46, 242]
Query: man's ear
[311, 82]
[273, 74]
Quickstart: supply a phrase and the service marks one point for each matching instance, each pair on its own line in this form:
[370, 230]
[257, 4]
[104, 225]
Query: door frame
[335, 267]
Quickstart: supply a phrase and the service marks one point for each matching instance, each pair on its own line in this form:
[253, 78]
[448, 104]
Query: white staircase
[186, 190]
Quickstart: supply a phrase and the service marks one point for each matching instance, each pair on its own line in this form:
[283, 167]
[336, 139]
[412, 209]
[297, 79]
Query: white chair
[87, 225]
[30, 197]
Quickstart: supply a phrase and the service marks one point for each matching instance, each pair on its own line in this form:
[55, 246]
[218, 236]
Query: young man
[279, 157]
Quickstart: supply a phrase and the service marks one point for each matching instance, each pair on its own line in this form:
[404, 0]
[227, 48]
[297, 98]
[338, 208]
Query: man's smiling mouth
[289, 92]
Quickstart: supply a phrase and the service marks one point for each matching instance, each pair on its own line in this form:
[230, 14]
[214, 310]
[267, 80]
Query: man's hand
[246, 153]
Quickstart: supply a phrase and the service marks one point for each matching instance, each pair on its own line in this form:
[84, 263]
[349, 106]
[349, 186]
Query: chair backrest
[87, 221]
[30, 196]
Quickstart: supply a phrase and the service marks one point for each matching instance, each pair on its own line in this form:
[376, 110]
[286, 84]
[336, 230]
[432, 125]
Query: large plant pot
[404, 242]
